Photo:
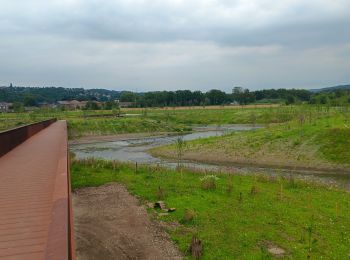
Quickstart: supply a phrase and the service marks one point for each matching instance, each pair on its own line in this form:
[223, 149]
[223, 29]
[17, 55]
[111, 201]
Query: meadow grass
[101, 122]
[240, 217]
[224, 115]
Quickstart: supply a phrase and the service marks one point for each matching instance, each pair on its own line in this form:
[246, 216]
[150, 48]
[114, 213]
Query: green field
[236, 217]
[85, 123]
[101, 122]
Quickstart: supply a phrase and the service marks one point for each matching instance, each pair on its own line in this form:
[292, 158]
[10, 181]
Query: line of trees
[239, 95]
[35, 96]
[176, 98]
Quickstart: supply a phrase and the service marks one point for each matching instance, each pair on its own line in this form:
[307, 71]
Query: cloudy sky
[175, 44]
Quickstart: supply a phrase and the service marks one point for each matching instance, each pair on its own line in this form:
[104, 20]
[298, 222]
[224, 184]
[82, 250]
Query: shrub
[188, 216]
[208, 182]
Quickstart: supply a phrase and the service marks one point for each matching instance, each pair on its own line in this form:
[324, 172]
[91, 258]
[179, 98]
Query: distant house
[125, 104]
[5, 107]
[72, 104]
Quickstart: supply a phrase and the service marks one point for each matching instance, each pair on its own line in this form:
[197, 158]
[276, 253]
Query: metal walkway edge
[35, 202]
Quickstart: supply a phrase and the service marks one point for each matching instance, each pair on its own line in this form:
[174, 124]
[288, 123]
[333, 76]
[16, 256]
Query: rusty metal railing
[11, 138]
[71, 240]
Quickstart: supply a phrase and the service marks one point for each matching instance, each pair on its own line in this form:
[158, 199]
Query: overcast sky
[143, 45]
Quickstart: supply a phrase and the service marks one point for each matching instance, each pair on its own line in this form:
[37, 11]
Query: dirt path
[109, 223]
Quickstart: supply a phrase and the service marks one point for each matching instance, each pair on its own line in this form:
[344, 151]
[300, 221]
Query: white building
[5, 107]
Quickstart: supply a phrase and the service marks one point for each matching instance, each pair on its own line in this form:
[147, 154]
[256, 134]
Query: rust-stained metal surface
[11, 138]
[35, 208]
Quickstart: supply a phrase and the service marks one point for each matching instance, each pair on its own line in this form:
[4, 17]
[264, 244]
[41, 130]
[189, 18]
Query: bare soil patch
[109, 223]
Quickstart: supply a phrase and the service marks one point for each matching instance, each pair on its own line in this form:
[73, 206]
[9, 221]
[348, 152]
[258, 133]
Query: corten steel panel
[35, 208]
[11, 138]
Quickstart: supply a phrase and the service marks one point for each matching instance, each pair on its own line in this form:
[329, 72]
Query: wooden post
[196, 248]
[336, 210]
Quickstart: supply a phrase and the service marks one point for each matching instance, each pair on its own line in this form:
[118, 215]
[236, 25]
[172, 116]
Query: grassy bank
[235, 115]
[84, 123]
[167, 118]
[236, 216]
[310, 140]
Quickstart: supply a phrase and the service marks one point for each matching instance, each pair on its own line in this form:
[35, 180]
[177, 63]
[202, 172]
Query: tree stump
[196, 248]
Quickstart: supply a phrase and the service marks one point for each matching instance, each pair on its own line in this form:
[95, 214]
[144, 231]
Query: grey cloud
[159, 44]
[138, 21]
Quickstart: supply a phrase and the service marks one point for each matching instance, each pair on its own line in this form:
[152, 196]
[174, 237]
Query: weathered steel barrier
[71, 240]
[11, 138]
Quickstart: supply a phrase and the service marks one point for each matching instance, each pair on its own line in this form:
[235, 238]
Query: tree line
[29, 96]
[238, 95]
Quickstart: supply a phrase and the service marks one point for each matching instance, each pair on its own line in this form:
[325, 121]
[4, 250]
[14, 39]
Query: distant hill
[54, 94]
[327, 89]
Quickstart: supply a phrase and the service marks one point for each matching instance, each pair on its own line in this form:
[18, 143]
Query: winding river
[135, 150]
